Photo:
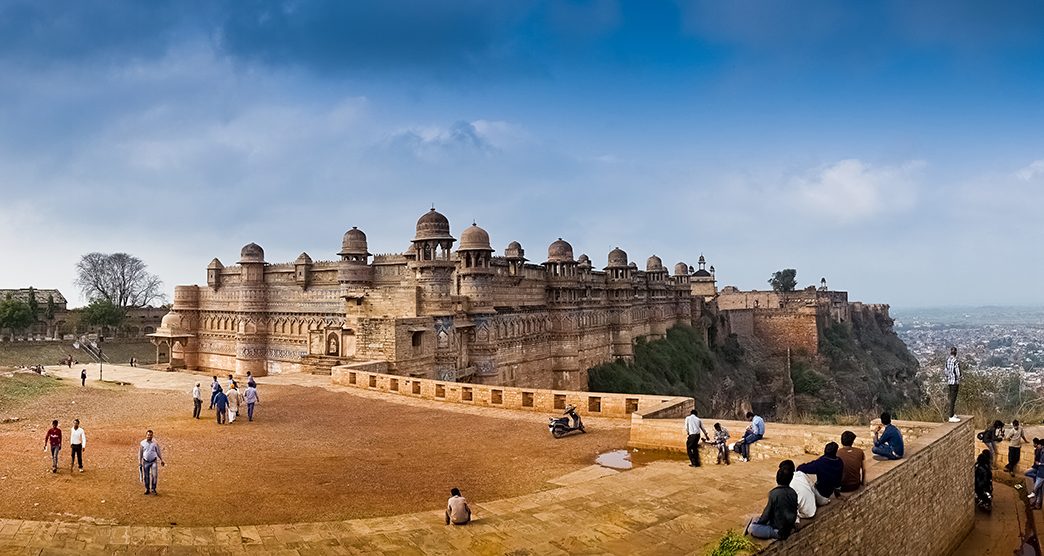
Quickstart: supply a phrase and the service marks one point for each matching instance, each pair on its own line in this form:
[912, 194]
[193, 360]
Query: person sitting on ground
[780, 515]
[828, 470]
[984, 477]
[1016, 436]
[457, 510]
[754, 433]
[721, 440]
[888, 444]
[1036, 472]
[855, 472]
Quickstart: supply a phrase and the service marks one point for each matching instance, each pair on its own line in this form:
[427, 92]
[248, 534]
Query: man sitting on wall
[754, 433]
[854, 475]
[828, 470]
[807, 497]
[780, 514]
[887, 444]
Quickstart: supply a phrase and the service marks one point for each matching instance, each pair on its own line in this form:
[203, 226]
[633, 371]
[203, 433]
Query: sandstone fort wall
[372, 376]
[780, 329]
[922, 504]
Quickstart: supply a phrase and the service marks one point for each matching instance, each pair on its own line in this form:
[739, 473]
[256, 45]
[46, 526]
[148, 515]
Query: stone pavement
[664, 507]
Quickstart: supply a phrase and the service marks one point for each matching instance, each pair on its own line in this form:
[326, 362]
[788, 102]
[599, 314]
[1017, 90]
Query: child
[721, 440]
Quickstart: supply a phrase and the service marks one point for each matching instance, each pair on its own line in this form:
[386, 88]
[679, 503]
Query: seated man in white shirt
[457, 510]
[808, 498]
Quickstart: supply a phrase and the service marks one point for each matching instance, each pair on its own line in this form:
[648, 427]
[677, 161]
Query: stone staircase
[321, 364]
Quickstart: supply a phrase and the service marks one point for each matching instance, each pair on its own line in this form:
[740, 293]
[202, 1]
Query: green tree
[34, 307]
[784, 280]
[15, 315]
[102, 312]
[50, 306]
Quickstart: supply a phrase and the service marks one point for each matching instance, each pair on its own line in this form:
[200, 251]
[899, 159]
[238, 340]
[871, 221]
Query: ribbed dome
[617, 257]
[560, 252]
[303, 258]
[215, 265]
[252, 253]
[474, 239]
[171, 321]
[432, 225]
[514, 250]
[354, 243]
[681, 269]
[654, 264]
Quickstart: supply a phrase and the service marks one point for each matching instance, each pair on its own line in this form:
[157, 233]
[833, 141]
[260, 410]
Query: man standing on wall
[693, 428]
[953, 380]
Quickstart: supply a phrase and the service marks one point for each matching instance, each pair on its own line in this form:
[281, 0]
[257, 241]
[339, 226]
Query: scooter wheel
[557, 432]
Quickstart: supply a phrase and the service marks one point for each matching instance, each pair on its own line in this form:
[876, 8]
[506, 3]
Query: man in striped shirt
[953, 380]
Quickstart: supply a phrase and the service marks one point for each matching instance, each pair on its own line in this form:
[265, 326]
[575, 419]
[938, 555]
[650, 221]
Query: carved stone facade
[433, 312]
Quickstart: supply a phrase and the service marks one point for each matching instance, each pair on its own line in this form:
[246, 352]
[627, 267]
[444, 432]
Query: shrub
[733, 544]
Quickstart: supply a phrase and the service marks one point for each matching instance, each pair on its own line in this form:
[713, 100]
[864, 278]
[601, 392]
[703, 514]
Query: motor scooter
[560, 426]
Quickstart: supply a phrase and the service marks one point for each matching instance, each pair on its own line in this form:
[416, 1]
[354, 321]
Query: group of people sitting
[797, 494]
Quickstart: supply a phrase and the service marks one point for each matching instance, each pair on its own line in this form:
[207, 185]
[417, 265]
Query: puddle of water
[617, 459]
[628, 459]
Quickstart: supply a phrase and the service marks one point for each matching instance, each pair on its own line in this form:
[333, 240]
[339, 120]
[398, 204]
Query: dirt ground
[309, 455]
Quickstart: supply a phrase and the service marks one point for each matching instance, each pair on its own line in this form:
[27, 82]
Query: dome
[474, 239]
[681, 269]
[432, 225]
[633, 265]
[617, 257]
[252, 253]
[701, 273]
[560, 252]
[654, 264]
[171, 321]
[584, 261]
[215, 265]
[514, 250]
[303, 258]
[354, 243]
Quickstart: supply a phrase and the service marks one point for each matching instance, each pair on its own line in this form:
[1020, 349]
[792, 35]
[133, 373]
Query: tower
[474, 273]
[432, 265]
[251, 338]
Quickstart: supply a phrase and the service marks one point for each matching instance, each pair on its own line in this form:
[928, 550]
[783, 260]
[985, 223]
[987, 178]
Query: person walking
[953, 381]
[197, 401]
[251, 398]
[83, 377]
[693, 428]
[149, 453]
[1016, 436]
[214, 387]
[221, 405]
[77, 441]
[234, 400]
[251, 383]
[53, 441]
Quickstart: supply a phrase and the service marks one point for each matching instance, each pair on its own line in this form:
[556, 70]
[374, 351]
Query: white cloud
[1034, 170]
[851, 190]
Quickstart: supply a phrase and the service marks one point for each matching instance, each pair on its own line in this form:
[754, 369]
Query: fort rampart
[368, 376]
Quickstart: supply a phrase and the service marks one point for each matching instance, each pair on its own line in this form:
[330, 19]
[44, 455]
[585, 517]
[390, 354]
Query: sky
[894, 148]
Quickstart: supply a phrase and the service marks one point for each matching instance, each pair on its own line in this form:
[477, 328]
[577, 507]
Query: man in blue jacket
[889, 443]
[828, 470]
[221, 404]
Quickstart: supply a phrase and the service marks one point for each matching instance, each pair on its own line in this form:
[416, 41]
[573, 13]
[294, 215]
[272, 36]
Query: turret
[432, 265]
[251, 340]
[474, 274]
[354, 267]
[303, 270]
[214, 273]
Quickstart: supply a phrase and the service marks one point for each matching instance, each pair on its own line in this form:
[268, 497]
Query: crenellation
[434, 311]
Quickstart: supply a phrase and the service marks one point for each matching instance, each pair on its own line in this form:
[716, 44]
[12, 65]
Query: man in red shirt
[54, 441]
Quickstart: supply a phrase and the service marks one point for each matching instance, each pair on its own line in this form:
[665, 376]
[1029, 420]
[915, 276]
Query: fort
[432, 311]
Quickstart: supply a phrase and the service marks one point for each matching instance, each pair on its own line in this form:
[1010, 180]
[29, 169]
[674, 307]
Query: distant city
[1001, 339]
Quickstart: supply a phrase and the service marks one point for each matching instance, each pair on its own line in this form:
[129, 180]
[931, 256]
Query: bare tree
[119, 278]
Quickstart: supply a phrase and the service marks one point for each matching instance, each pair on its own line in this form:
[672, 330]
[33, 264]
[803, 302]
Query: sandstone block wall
[372, 376]
[920, 505]
[780, 329]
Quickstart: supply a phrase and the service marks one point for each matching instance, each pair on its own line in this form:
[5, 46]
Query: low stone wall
[922, 504]
[781, 441]
[370, 376]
